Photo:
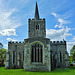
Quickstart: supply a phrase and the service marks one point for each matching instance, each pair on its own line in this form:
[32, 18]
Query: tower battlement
[58, 42]
[12, 42]
[38, 19]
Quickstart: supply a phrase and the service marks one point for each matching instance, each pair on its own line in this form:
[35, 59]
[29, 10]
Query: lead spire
[36, 12]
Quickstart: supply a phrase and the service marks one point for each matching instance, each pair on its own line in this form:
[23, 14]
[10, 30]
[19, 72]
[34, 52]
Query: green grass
[70, 71]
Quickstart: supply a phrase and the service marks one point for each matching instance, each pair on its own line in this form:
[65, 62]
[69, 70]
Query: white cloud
[55, 26]
[61, 22]
[6, 21]
[63, 32]
[60, 34]
[54, 14]
[74, 38]
[8, 32]
[9, 39]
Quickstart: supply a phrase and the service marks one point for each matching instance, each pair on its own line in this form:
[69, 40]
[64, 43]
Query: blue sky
[59, 15]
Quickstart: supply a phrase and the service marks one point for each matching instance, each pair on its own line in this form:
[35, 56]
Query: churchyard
[58, 71]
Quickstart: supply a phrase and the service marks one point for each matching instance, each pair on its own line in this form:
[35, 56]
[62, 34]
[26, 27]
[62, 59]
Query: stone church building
[37, 53]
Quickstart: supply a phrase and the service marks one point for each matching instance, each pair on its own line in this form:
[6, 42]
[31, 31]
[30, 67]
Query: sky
[59, 15]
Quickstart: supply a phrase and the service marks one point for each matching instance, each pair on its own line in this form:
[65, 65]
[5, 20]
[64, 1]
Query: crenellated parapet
[12, 42]
[58, 42]
[38, 19]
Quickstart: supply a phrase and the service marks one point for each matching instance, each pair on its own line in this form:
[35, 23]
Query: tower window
[13, 57]
[60, 57]
[20, 58]
[23, 55]
[36, 53]
[37, 27]
[15, 47]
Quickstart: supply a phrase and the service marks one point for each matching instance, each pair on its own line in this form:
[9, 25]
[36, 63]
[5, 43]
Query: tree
[72, 54]
[2, 56]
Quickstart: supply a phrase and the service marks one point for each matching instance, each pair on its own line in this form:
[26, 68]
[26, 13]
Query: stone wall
[54, 55]
[59, 54]
[46, 64]
[16, 50]
[33, 32]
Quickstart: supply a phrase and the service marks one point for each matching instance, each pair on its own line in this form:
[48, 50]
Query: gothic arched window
[60, 57]
[23, 55]
[36, 53]
[13, 57]
[19, 58]
[37, 27]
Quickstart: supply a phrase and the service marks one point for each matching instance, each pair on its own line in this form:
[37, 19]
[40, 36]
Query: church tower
[37, 46]
[36, 25]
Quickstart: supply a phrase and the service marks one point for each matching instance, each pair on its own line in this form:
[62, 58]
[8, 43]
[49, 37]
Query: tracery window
[36, 53]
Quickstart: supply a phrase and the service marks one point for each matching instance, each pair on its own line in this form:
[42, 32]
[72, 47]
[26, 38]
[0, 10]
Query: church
[37, 53]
